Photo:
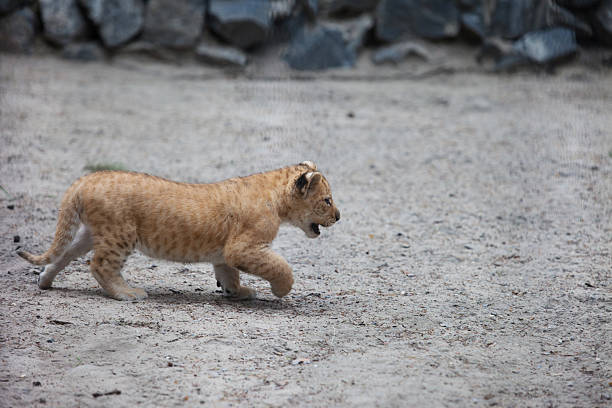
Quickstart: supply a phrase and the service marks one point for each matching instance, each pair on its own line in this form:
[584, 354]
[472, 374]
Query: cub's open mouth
[315, 228]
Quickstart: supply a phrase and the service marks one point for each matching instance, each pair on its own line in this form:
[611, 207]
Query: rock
[602, 22]
[397, 52]
[244, 23]
[8, 6]
[174, 23]
[354, 31]
[433, 19]
[117, 21]
[62, 21]
[150, 50]
[83, 51]
[221, 55]
[547, 45]
[577, 3]
[474, 23]
[319, 47]
[17, 31]
[349, 7]
[311, 7]
[511, 19]
[280, 9]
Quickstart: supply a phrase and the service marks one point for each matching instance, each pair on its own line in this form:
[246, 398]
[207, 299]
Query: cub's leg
[229, 280]
[264, 262]
[80, 245]
[106, 267]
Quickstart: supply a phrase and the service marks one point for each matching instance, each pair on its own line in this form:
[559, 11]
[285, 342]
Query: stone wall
[318, 34]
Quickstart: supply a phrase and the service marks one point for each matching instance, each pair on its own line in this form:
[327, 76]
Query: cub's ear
[309, 164]
[307, 181]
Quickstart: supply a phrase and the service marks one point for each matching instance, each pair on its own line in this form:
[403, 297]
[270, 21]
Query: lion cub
[229, 224]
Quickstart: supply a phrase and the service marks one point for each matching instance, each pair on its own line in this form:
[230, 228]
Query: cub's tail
[35, 259]
[67, 225]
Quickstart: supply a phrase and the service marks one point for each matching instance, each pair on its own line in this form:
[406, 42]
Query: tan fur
[230, 224]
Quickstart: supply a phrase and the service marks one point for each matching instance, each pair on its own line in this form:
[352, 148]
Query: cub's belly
[181, 253]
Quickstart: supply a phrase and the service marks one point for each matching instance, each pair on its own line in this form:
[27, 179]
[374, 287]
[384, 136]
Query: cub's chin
[312, 231]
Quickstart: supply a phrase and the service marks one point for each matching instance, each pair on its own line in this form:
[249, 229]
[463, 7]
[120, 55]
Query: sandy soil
[471, 266]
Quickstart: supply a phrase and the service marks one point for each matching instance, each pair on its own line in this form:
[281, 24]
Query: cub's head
[313, 205]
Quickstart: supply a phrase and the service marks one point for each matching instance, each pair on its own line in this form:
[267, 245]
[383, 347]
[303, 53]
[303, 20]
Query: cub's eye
[327, 201]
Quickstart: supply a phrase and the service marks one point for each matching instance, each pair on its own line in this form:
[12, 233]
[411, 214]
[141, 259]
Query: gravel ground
[471, 266]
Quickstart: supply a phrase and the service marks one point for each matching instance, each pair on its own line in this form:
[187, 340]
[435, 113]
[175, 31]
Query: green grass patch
[92, 168]
[5, 192]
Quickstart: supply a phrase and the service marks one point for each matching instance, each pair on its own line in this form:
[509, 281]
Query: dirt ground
[471, 267]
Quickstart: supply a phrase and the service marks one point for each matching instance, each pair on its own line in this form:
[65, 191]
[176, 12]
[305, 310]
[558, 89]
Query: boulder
[244, 23]
[174, 23]
[311, 7]
[545, 46]
[281, 9]
[578, 3]
[117, 21]
[8, 6]
[602, 22]
[150, 50]
[473, 23]
[511, 19]
[354, 30]
[221, 55]
[395, 53]
[62, 21]
[433, 19]
[349, 7]
[319, 47]
[83, 51]
[17, 31]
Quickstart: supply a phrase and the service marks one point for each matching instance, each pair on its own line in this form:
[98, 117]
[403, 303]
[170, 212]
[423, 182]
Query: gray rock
[354, 31]
[244, 23]
[221, 55]
[474, 23]
[118, 21]
[545, 46]
[62, 21]
[434, 19]
[602, 22]
[318, 48]
[578, 3]
[148, 49]
[17, 31]
[83, 51]
[395, 53]
[511, 19]
[280, 9]
[174, 23]
[7, 6]
[311, 7]
[349, 7]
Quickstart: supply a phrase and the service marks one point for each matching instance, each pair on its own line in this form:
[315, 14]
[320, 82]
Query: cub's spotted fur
[230, 224]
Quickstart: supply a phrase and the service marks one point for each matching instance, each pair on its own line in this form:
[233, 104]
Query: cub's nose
[337, 215]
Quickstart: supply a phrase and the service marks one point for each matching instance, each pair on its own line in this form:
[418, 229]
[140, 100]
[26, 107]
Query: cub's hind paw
[132, 294]
[244, 293]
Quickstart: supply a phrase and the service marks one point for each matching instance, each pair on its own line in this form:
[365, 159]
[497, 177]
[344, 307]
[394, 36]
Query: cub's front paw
[281, 289]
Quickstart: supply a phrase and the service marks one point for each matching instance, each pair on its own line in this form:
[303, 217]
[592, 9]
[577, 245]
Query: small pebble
[10, 207]
[36, 383]
[50, 340]
[16, 238]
